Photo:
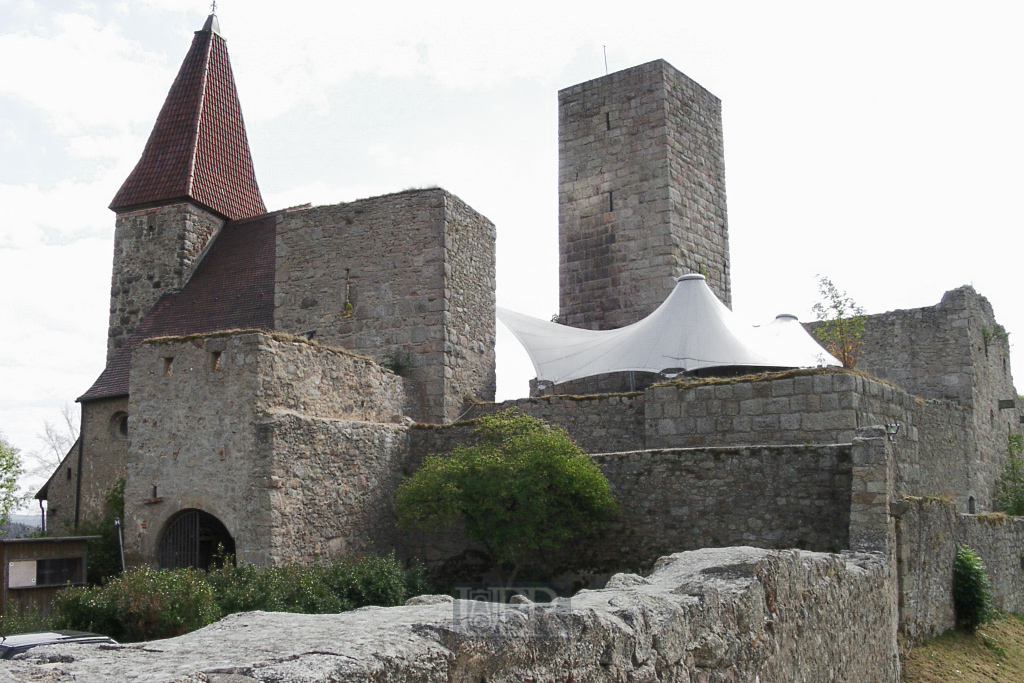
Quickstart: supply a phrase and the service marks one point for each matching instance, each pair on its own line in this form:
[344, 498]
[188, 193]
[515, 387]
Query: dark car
[12, 645]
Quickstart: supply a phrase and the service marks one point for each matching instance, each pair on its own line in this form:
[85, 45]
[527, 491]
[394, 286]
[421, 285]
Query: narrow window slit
[607, 121]
[611, 202]
[215, 361]
[168, 366]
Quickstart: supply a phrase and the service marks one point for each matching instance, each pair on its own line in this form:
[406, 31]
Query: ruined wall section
[155, 251]
[470, 287]
[276, 438]
[928, 534]
[376, 276]
[955, 351]
[641, 194]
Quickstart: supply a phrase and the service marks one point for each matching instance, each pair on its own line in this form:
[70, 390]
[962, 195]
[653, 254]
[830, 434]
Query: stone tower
[196, 172]
[641, 187]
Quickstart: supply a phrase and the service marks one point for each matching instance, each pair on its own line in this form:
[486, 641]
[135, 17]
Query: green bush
[105, 551]
[972, 594]
[319, 589]
[145, 603]
[141, 604]
[525, 491]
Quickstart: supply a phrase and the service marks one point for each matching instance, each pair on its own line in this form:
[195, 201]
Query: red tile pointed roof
[232, 289]
[198, 149]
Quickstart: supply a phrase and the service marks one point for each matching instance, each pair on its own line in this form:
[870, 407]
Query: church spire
[198, 149]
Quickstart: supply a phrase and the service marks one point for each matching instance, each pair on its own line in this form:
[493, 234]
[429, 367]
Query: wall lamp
[892, 429]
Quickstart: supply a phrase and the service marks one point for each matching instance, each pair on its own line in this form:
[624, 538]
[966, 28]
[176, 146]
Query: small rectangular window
[168, 366]
[59, 572]
[215, 361]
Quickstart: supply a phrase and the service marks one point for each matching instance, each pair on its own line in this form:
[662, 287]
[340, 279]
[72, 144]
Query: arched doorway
[191, 540]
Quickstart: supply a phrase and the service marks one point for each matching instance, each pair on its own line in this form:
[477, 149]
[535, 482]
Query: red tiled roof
[198, 148]
[233, 288]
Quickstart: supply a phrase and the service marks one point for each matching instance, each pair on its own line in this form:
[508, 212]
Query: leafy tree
[524, 489]
[842, 322]
[1010, 490]
[10, 470]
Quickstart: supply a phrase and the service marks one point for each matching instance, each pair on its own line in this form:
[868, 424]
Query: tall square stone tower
[641, 186]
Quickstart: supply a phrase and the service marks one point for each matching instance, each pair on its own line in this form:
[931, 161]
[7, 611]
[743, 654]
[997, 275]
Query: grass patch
[994, 653]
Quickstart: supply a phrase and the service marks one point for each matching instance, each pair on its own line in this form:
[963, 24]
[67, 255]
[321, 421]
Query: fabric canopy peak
[689, 331]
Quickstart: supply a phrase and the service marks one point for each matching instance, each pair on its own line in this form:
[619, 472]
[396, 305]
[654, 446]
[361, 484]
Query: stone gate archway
[191, 539]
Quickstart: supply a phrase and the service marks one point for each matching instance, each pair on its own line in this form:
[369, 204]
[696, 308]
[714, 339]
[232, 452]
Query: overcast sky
[879, 143]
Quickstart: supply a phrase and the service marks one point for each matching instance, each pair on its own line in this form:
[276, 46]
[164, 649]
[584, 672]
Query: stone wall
[331, 486]
[155, 251]
[407, 278]
[953, 351]
[764, 496]
[928, 534]
[470, 316]
[61, 492]
[732, 614]
[106, 432]
[221, 423]
[810, 407]
[791, 496]
[598, 423]
[641, 194]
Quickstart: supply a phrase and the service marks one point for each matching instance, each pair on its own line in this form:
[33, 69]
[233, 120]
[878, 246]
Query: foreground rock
[730, 614]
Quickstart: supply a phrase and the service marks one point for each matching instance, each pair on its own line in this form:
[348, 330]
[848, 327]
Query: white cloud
[85, 76]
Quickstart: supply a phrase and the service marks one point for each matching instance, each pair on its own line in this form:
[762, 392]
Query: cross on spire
[213, 7]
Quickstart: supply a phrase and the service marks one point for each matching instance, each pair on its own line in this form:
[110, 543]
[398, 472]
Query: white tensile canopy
[793, 344]
[691, 330]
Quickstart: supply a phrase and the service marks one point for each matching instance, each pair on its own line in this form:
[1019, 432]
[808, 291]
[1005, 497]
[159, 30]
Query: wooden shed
[34, 569]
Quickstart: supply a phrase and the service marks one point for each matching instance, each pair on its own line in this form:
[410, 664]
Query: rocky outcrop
[729, 614]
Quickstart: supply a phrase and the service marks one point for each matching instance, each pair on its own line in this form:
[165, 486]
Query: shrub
[319, 589]
[972, 594]
[105, 551]
[141, 604]
[524, 491]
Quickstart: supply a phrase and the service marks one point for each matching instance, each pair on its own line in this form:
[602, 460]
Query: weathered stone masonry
[155, 251]
[406, 278]
[641, 187]
[293, 447]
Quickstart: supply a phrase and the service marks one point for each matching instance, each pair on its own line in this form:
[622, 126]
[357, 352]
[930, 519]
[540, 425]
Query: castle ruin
[272, 377]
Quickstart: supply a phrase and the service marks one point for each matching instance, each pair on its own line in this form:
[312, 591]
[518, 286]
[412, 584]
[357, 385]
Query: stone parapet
[736, 614]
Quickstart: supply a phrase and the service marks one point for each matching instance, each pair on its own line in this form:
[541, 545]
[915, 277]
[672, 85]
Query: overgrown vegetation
[145, 603]
[105, 551]
[1010, 489]
[523, 491]
[972, 594]
[842, 322]
[141, 604]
